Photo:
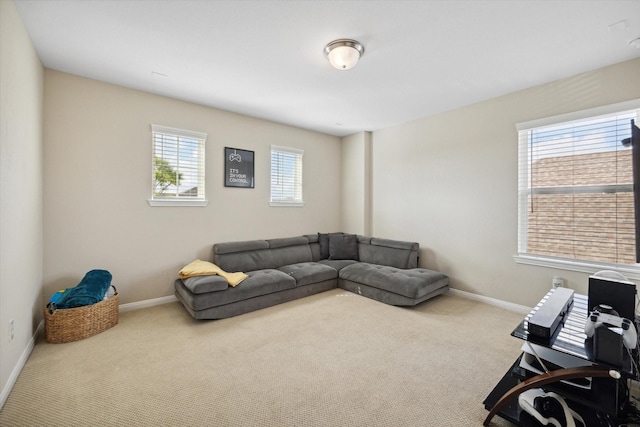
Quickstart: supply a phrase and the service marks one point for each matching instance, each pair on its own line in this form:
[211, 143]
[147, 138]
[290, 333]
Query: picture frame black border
[227, 166]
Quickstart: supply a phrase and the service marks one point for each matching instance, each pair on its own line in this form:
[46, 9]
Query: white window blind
[178, 167]
[286, 176]
[576, 190]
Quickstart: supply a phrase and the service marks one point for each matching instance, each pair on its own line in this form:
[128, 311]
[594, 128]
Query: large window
[178, 167]
[576, 191]
[286, 176]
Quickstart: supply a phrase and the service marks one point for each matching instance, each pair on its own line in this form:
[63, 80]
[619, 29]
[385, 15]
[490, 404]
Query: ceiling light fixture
[344, 54]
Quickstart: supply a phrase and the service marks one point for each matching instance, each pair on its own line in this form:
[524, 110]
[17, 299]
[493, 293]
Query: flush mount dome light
[344, 53]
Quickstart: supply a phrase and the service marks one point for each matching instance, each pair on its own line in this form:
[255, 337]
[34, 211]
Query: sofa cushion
[312, 238]
[307, 273]
[204, 284]
[260, 282]
[343, 246]
[242, 256]
[337, 264]
[287, 255]
[412, 283]
[314, 245]
[394, 254]
[245, 261]
[364, 239]
[231, 247]
[398, 244]
[287, 241]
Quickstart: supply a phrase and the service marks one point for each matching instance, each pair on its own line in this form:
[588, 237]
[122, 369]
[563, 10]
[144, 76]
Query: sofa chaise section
[388, 272]
[392, 285]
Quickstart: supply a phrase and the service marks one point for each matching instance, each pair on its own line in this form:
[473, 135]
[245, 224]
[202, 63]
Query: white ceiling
[265, 58]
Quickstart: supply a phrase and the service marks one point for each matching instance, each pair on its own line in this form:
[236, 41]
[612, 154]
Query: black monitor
[618, 294]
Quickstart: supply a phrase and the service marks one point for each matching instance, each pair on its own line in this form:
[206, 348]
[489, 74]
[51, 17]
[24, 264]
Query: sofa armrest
[205, 284]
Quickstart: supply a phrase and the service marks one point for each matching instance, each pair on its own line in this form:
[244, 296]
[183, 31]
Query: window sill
[168, 202]
[632, 272]
[287, 204]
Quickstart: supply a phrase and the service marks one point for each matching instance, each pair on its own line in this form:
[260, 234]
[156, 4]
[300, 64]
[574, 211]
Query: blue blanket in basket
[89, 291]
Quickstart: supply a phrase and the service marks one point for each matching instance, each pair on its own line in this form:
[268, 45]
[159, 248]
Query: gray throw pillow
[343, 246]
[323, 240]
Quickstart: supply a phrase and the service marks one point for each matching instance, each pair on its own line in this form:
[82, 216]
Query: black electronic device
[544, 322]
[615, 291]
[608, 346]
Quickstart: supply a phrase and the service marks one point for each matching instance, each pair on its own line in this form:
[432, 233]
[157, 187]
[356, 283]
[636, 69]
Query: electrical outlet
[11, 330]
[557, 282]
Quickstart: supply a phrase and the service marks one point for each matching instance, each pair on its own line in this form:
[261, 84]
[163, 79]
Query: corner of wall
[368, 177]
[21, 195]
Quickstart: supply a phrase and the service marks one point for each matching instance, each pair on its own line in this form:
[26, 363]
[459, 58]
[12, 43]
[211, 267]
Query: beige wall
[20, 194]
[98, 179]
[356, 179]
[450, 182]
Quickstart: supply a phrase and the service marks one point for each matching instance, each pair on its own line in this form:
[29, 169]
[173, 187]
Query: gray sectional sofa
[285, 269]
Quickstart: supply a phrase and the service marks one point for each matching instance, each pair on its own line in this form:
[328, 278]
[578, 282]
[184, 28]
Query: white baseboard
[492, 301]
[21, 362]
[27, 352]
[146, 303]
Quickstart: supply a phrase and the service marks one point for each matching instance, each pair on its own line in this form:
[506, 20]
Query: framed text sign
[238, 168]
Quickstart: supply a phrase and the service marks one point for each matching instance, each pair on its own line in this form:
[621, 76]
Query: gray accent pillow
[343, 246]
[323, 240]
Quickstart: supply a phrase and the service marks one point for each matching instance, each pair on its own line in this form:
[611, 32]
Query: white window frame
[629, 270]
[200, 198]
[278, 180]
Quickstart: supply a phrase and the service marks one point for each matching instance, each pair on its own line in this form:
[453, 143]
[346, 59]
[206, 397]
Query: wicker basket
[73, 324]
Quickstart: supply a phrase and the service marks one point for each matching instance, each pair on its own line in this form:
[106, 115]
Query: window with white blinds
[576, 201]
[178, 167]
[286, 176]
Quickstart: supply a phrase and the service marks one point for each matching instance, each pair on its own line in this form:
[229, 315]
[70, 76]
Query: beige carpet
[333, 359]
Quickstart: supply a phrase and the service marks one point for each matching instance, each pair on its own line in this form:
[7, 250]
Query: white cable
[610, 274]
